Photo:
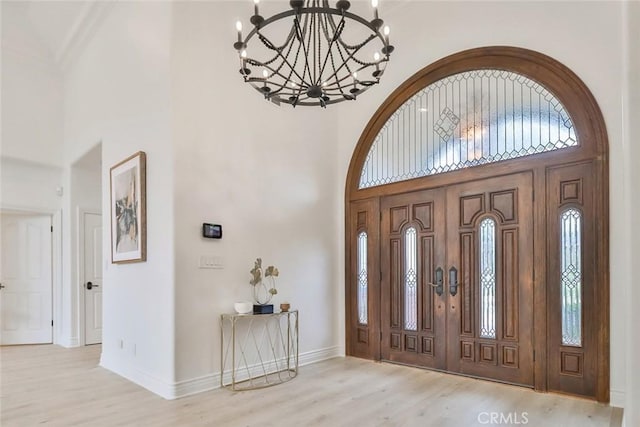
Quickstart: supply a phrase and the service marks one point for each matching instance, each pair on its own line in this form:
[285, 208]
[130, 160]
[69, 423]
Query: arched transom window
[467, 119]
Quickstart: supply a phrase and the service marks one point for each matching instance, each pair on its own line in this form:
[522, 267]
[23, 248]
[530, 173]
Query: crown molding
[79, 34]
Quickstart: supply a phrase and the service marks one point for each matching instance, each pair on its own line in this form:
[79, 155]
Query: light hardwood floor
[65, 387]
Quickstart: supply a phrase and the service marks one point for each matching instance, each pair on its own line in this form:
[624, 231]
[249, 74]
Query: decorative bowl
[243, 307]
[285, 306]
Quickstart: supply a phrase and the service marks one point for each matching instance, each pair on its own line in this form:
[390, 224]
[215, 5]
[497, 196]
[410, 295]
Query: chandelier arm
[351, 55]
[330, 54]
[284, 59]
[331, 43]
[305, 49]
[303, 34]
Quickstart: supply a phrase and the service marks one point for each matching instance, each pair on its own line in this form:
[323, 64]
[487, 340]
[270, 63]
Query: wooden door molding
[591, 133]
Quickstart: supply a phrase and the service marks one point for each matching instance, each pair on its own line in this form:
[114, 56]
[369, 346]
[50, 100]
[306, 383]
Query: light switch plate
[210, 261]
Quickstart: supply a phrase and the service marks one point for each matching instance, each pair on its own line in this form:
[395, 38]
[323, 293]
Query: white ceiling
[51, 31]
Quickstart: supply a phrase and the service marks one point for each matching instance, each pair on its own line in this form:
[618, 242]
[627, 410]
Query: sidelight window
[571, 276]
[363, 281]
[488, 278]
[411, 280]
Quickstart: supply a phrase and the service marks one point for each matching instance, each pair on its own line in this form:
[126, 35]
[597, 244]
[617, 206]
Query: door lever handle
[91, 285]
[453, 281]
[439, 284]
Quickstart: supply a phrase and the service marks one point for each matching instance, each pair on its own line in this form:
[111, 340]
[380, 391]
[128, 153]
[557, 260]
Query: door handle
[91, 285]
[453, 281]
[439, 284]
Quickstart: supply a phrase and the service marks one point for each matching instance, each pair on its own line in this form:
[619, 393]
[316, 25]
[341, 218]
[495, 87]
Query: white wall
[424, 32]
[31, 93]
[632, 408]
[117, 92]
[267, 174]
[30, 185]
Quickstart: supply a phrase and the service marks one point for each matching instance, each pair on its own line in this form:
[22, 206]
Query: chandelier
[313, 54]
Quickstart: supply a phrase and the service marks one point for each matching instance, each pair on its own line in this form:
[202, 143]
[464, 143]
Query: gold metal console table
[258, 350]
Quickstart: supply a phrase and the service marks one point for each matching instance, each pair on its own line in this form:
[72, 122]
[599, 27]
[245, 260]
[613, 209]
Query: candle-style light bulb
[243, 54]
[255, 6]
[386, 34]
[265, 74]
[374, 4]
[239, 29]
[376, 56]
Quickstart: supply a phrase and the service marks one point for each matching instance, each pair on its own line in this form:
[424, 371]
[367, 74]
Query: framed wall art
[128, 210]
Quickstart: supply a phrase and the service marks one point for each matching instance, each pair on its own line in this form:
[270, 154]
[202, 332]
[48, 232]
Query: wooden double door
[457, 278]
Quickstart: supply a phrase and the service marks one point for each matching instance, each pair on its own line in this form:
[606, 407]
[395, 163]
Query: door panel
[93, 274]
[26, 277]
[572, 365]
[413, 248]
[363, 337]
[490, 318]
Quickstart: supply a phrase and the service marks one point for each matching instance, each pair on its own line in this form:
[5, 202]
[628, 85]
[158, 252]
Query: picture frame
[129, 210]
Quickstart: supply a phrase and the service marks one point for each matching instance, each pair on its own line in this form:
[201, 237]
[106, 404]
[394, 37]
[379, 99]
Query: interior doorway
[88, 262]
[92, 272]
[477, 225]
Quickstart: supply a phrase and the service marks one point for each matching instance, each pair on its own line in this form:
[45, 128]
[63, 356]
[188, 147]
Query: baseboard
[315, 356]
[138, 376]
[68, 342]
[616, 398]
[212, 381]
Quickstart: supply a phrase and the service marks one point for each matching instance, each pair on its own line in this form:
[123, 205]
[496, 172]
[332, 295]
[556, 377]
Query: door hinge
[381, 275]
[534, 355]
[52, 228]
[380, 215]
[380, 335]
[52, 323]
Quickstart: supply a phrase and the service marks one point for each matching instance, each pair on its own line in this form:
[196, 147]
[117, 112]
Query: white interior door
[92, 278]
[26, 277]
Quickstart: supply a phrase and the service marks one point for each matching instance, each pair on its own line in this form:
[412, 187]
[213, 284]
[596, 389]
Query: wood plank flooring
[64, 387]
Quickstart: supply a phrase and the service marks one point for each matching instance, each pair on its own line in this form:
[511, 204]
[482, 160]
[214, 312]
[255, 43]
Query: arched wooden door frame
[589, 123]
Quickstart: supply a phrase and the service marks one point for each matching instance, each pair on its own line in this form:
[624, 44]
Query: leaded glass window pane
[464, 120]
[571, 276]
[410, 280]
[363, 281]
[488, 278]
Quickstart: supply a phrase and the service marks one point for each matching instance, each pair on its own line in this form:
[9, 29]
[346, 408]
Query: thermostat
[211, 231]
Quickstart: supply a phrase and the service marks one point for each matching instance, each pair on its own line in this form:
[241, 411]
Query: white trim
[315, 356]
[56, 262]
[201, 384]
[616, 398]
[68, 342]
[138, 376]
[80, 279]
